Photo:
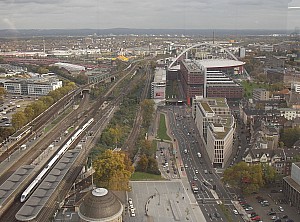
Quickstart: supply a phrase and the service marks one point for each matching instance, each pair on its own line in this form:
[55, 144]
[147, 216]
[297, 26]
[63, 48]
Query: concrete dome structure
[100, 205]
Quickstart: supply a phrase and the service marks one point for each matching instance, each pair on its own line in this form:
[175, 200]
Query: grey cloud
[32, 1]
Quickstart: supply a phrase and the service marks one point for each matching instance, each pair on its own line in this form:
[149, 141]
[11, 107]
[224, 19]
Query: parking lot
[269, 205]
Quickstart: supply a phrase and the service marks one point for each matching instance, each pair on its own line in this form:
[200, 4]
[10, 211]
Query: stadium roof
[219, 63]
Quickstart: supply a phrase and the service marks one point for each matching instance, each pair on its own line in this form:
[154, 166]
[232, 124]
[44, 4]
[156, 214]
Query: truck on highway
[195, 188]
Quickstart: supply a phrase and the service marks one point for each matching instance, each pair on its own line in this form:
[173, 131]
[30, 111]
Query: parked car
[235, 212]
[280, 208]
[255, 218]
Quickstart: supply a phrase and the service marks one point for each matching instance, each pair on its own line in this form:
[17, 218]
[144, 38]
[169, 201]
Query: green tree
[47, 100]
[247, 178]
[29, 112]
[82, 79]
[142, 164]
[113, 170]
[2, 93]
[269, 174]
[290, 136]
[42, 70]
[147, 106]
[18, 120]
[38, 107]
[5, 132]
[153, 166]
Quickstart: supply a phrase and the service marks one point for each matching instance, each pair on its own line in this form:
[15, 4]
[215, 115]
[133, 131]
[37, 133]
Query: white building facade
[216, 126]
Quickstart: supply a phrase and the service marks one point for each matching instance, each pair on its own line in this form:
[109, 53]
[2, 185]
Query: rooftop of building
[100, 204]
[160, 75]
[297, 164]
[220, 63]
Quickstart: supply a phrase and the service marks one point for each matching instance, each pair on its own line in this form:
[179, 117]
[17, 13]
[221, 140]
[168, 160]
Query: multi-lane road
[212, 192]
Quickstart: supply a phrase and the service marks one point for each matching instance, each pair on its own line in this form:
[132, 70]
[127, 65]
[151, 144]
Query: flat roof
[220, 63]
[37, 201]
[13, 182]
[292, 183]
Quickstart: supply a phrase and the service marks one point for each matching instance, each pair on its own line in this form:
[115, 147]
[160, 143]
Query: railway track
[132, 138]
[95, 112]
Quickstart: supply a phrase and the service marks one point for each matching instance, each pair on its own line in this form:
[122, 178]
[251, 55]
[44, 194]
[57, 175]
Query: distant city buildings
[33, 86]
[266, 48]
[216, 126]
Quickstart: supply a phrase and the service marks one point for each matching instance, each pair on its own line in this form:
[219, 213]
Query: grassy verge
[145, 176]
[162, 130]
[226, 213]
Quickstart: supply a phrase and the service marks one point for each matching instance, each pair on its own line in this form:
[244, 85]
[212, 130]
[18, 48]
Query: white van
[199, 155]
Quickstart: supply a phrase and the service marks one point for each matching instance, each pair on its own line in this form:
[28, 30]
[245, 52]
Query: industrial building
[33, 86]
[216, 126]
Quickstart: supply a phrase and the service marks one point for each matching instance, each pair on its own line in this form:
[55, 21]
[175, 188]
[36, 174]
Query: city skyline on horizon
[190, 14]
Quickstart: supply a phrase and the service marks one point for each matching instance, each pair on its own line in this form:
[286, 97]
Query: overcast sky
[165, 14]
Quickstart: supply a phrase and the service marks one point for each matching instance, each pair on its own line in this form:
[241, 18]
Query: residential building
[271, 157]
[289, 113]
[296, 87]
[260, 94]
[216, 126]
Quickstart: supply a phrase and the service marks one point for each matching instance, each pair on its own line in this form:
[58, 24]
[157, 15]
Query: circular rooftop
[219, 63]
[100, 205]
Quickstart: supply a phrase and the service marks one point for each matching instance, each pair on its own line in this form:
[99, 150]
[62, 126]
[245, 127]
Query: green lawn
[162, 130]
[249, 86]
[145, 176]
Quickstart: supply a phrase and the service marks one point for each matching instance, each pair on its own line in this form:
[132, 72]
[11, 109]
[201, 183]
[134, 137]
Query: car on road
[217, 215]
[199, 155]
[186, 166]
[205, 171]
[196, 171]
[130, 201]
[132, 212]
[235, 212]
[195, 178]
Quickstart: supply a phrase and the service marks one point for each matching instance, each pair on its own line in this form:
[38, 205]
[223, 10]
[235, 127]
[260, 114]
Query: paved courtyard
[163, 201]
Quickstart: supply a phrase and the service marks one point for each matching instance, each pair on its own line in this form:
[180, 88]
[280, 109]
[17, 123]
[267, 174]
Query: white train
[25, 195]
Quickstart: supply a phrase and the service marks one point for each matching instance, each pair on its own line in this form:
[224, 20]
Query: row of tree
[249, 178]
[116, 134]
[32, 110]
